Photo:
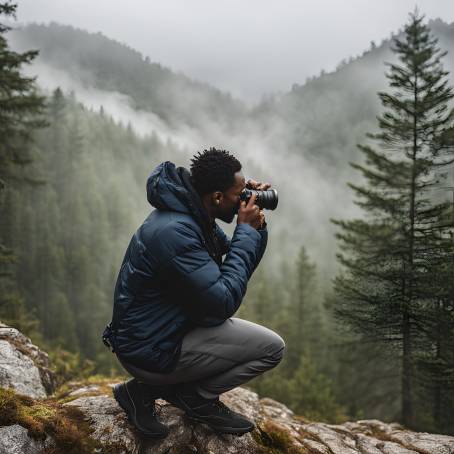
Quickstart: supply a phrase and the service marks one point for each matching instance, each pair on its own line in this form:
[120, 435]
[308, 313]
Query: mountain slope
[109, 65]
[301, 141]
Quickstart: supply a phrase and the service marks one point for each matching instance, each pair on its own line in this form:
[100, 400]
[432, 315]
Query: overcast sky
[248, 47]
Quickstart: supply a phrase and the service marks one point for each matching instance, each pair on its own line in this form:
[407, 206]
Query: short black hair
[213, 170]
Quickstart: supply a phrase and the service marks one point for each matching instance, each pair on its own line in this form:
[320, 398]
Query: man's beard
[228, 217]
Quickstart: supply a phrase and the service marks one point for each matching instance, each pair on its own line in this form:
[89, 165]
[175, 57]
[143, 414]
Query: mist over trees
[69, 232]
[300, 141]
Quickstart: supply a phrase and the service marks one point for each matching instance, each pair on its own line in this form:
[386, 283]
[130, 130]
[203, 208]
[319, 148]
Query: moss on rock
[97, 385]
[43, 418]
[275, 439]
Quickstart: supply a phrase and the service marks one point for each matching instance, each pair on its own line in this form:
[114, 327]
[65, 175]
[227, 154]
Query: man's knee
[277, 348]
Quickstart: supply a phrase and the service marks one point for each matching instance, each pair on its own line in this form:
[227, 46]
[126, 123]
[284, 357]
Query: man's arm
[225, 241]
[211, 293]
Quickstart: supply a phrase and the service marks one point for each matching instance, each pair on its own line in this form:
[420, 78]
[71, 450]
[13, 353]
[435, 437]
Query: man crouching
[173, 328]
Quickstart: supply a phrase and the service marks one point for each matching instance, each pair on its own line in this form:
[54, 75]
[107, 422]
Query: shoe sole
[125, 403]
[222, 429]
[219, 429]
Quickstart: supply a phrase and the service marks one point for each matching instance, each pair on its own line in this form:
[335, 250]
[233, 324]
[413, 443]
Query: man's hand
[252, 184]
[257, 185]
[250, 213]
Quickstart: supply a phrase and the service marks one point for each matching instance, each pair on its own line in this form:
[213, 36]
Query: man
[172, 325]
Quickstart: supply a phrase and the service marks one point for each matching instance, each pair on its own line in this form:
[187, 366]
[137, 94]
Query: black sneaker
[158, 391]
[166, 392]
[138, 403]
[212, 412]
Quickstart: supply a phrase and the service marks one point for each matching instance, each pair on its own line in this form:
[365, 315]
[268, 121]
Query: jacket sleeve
[211, 294]
[264, 241]
[223, 239]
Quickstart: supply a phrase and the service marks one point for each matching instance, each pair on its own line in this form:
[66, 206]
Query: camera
[265, 199]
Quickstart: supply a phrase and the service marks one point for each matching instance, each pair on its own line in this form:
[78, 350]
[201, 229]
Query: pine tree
[388, 255]
[303, 310]
[21, 110]
[437, 361]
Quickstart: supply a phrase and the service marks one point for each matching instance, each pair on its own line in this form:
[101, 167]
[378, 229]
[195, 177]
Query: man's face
[229, 204]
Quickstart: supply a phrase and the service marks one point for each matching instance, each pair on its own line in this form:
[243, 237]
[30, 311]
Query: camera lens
[265, 199]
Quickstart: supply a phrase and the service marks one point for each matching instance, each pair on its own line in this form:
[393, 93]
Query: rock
[395, 435]
[111, 426]
[85, 390]
[424, 442]
[15, 440]
[109, 422]
[339, 442]
[276, 428]
[274, 409]
[23, 366]
[88, 413]
[314, 447]
[19, 372]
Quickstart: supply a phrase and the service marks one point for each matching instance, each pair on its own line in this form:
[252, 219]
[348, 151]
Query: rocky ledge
[83, 417]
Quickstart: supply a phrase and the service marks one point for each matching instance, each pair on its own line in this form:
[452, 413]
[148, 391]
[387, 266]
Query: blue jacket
[169, 283]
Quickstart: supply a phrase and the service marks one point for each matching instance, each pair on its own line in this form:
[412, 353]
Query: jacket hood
[166, 189]
[170, 189]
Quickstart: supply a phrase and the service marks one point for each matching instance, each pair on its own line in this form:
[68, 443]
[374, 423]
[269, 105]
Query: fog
[309, 195]
[248, 48]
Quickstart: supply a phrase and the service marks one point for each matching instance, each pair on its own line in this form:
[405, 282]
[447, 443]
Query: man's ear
[217, 197]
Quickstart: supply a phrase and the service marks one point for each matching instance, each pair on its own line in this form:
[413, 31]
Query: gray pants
[219, 358]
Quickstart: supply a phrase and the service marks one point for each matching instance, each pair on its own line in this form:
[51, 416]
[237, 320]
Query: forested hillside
[106, 64]
[302, 141]
[69, 228]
